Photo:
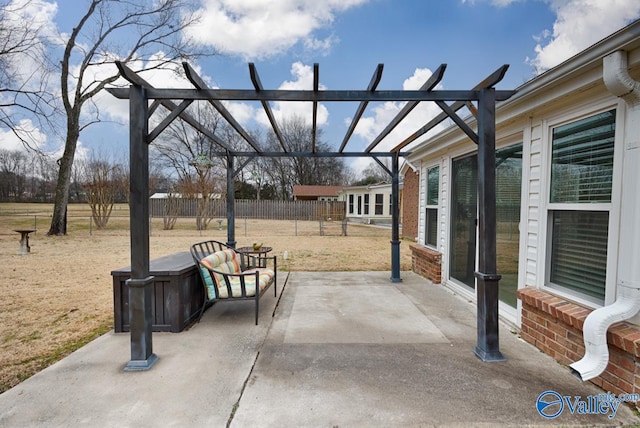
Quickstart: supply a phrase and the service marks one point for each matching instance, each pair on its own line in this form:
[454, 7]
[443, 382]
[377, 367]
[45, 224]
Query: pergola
[141, 92]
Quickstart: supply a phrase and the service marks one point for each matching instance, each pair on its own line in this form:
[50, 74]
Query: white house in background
[369, 204]
[161, 195]
[568, 210]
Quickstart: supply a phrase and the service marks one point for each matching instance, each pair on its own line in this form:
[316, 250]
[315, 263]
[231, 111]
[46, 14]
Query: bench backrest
[215, 256]
[201, 250]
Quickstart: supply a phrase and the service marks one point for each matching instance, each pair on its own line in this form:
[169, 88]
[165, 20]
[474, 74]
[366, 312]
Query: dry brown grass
[60, 296]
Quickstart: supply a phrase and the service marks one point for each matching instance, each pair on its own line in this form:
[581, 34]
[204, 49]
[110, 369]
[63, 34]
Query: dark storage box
[176, 298]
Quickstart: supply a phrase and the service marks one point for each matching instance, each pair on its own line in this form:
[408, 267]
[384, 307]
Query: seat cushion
[265, 278]
[226, 261]
[223, 261]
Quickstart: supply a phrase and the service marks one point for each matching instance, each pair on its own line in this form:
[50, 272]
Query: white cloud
[172, 76]
[370, 127]
[302, 80]
[30, 133]
[255, 29]
[111, 108]
[242, 112]
[579, 24]
[498, 3]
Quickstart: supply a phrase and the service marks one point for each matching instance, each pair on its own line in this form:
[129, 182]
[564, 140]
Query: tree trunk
[59, 217]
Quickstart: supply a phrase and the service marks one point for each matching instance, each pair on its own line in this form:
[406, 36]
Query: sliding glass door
[462, 258]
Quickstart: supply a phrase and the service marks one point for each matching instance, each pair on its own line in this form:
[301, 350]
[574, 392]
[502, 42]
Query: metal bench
[229, 275]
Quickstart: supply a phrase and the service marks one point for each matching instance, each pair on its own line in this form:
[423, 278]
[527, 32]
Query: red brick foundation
[554, 326]
[426, 262]
[410, 201]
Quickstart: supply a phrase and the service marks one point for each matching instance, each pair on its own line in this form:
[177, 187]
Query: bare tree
[170, 210]
[374, 173]
[287, 172]
[111, 30]
[194, 159]
[103, 182]
[24, 72]
[13, 175]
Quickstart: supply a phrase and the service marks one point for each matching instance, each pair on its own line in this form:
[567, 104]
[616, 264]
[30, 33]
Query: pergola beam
[373, 84]
[199, 83]
[255, 79]
[312, 155]
[307, 95]
[134, 79]
[431, 83]
[487, 82]
[458, 121]
[167, 120]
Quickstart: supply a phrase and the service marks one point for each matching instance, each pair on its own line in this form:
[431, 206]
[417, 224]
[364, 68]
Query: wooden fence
[251, 208]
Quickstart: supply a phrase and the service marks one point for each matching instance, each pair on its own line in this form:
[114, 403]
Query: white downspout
[616, 78]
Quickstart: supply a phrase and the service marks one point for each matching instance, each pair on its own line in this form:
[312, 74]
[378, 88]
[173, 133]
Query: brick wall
[410, 201]
[426, 262]
[554, 326]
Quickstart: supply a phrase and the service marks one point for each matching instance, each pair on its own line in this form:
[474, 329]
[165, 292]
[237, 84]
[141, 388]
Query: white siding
[422, 198]
[533, 188]
[444, 205]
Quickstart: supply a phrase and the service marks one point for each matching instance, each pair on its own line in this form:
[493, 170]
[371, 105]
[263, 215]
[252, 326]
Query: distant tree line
[58, 97]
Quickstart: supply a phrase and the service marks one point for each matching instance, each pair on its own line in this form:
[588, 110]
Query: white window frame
[613, 207]
[366, 203]
[378, 204]
[431, 207]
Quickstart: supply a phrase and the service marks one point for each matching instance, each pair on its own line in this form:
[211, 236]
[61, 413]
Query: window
[359, 204]
[350, 204]
[579, 204]
[366, 204]
[433, 181]
[379, 203]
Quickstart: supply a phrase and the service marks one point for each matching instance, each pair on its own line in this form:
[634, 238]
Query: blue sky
[348, 38]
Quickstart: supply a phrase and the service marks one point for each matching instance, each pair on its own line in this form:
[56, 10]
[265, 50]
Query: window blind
[579, 251]
[582, 160]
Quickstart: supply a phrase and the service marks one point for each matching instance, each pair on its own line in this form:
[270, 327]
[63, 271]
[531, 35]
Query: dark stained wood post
[142, 356]
[395, 220]
[488, 347]
[231, 207]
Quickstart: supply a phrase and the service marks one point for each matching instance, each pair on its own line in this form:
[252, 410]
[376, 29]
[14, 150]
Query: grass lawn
[60, 296]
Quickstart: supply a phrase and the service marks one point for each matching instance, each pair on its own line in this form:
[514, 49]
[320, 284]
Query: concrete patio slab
[225, 371]
[367, 313]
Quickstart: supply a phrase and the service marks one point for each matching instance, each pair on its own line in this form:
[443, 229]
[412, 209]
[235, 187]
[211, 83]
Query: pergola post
[140, 283]
[231, 207]
[487, 348]
[395, 220]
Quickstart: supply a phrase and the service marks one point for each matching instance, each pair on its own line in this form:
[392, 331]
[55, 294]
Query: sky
[348, 38]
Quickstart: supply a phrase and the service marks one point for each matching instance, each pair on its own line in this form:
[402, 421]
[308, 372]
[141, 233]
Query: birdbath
[24, 240]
